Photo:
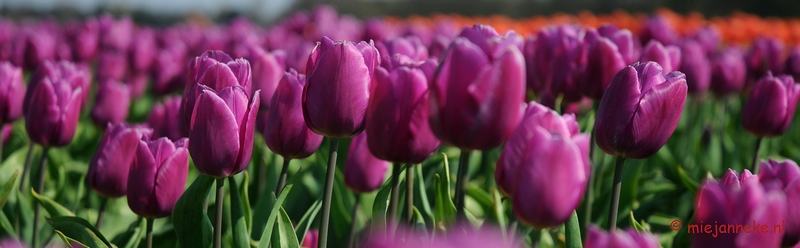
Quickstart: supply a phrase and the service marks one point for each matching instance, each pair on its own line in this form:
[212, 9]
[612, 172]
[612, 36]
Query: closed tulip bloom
[336, 94]
[363, 172]
[623, 38]
[52, 116]
[76, 75]
[169, 69]
[164, 119]
[410, 46]
[658, 28]
[111, 104]
[770, 108]
[12, 91]
[286, 132]
[143, 51]
[766, 55]
[116, 34]
[137, 81]
[478, 92]
[629, 238]
[641, 112]
[216, 70]
[696, 66]
[85, 40]
[792, 65]
[221, 130]
[551, 63]
[728, 71]
[603, 61]
[669, 57]
[157, 177]
[311, 239]
[108, 169]
[34, 45]
[785, 176]
[739, 201]
[112, 65]
[268, 69]
[709, 38]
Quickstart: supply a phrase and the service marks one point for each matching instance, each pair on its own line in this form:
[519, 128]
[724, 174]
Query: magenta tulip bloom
[77, 76]
[766, 55]
[669, 57]
[12, 91]
[157, 177]
[169, 69]
[551, 63]
[143, 51]
[221, 130]
[311, 239]
[603, 61]
[410, 46]
[86, 40]
[770, 108]
[619, 239]
[728, 71]
[658, 28]
[623, 38]
[286, 132]
[108, 170]
[268, 69]
[739, 201]
[363, 172]
[641, 112]
[164, 120]
[216, 70]
[112, 65]
[336, 94]
[696, 66]
[33, 46]
[52, 116]
[477, 95]
[792, 65]
[116, 34]
[111, 104]
[785, 176]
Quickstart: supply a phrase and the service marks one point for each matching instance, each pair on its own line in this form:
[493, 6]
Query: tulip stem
[28, 161]
[39, 188]
[328, 193]
[612, 211]
[149, 232]
[218, 212]
[409, 193]
[587, 212]
[282, 178]
[395, 195]
[461, 184]
[352, 240]
[101, 212]
[756, 155]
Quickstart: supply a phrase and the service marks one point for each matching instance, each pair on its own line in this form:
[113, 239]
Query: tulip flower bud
[696, 66]
[108, 170]
[363, 172]
[34, 46]
[668, 57]
[336, 94]
[708, 37]
[792, 65]
[478, 92]
[216, 70]
[623, 38]
[77, 75]
[785, 177]
[157, 177]
[286, 132]
[603, 61]
[111, 65]
[164, 119]
[770, 108]
[221, 130]
[12, 91]
[169, 69]
[115, 34]
[311, 239]
[111, 104]
[739, 201]
[630, 238]
[143, 51]
[409, 46]
[728, 71]
[52, 116]
[268, 69]
[641, 111]
[766, 55]
[551, 63]
[658, 28]
[85, 40]
[10, 242]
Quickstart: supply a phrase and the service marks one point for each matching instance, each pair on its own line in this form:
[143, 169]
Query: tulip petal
[214, 136]
[141, 180]
[169, 182]
[614, 113]
[655, 119]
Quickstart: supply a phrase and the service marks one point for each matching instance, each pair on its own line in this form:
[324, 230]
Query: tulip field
[323, 130]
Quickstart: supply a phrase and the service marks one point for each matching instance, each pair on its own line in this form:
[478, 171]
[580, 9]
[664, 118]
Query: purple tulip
[76, 75]
[363, 172]
[658, 28]
[336, 94]
[478, 91]
[108, 170]
[111, 65]
[111, 104]
[8, 30]
[766, 55]
[52, 116]
[85, 40]
[770, 108]
[164, 119]
[669, 57]
[169, 69]
[738, 201]
[221, 130]
[268, 69]
[379, 29]
[602, 61]
[143, 51]
[34, 45]
[641, 111]
[286, 132]
[696, 66]
[12, 91]
[6, 132]
[619, 239]
[115, 34]
[410, 46]
[785, 177]
[792, 65]
[438, 46]
[297, 57]
[216, 70]
[623, 38]
[9, 242]
[728, 71]
[157, 177]
[709, 37]
[551, 63]
[137, 82]
[311, 239]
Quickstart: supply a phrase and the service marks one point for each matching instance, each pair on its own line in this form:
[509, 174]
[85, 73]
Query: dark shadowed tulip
[630, 238]
[336, 94]
[8, 29]
[695, 64]
[164, 119]
[785, 176]
[770, 108]
[52, 116]
[669, 57]
[268, 69]
[739, 201]
[311, 239]
[641, 112]
[438, 46]
[85, 40]
[108, 169]
[477, 95]
[728, 71]
[709, 38]
[112, 65]
[34, 45]
[792, 65]
[397, 117]
[76, 75]
[766, 55]
[658, 28]
[286, 132]
[221, 130]
[157, 177]
[603, 61]
[12, 92]
[551, 63]
[363, 172]
[111, 104]
[216, 70]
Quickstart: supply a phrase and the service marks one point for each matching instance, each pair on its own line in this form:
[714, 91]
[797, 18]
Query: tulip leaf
[444, 210]
[381, 203]
[52, 207]
[5, 225]
[245, 196]
[191, 223]
[306, 220]
[275, 207]
[131, 237]
[497, 209]
[283, 235]
[6, 190]
[636, 225]
[238, 222]
[573, 231]
[421, 195]
[79, 230]
[70, 242]
[418, 220]
[687, 181]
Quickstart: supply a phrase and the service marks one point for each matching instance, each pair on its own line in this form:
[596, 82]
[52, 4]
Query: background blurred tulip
[268, 69]
[169, 69]
[286, 132]
[111, 65]
[728, 71]
[785, 176]
[115, 34]
[551, 63]
[164, 119]
[310, 240]
[12, 91]
[657, 27]
[111, 104]
[623, 38]
[620, 239]
[770, 108]
[363, 172]
[792, 64]
[143, 51]
[765, 55]
[410, 46]
[603, 61]
[52, 116]
[157, 177]
[108, 169]
[669, 57]
[85, 40]
[33, 46]
[696, 66]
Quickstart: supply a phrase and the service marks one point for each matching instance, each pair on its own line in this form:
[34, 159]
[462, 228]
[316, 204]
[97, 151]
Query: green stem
[461, 184]
[149, 232]
[218, 212]
[572, 232]
[409, 193]
[101, 212]
[612, 211]
[395, 194]
[352, 240]
[756, 163]
[28, 161]
[589, 198]
[39, 190]
[328, 193]
[282, 178]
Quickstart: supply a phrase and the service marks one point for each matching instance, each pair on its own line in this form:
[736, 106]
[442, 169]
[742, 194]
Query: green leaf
[191, 223]
[573, 232]
[6, 226]
[306, 220]
[273, 214]
[419, 222]
[421, 195]
[283, 235]
[245, 196]
[6, 190]
[238, 222]
[79, 230]
[381, 203]
[497, 210]
[687, 181]
[52, 207]
[131, 237]
[68, 241]
[636, 225]
[444, 210]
